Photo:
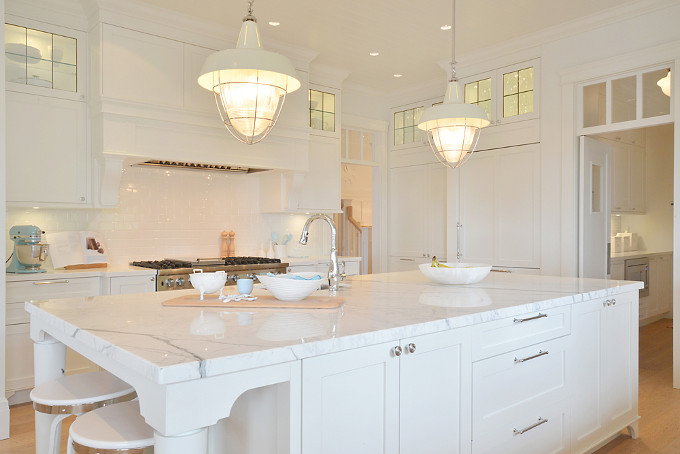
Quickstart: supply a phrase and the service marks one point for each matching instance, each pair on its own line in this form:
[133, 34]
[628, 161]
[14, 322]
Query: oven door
[638, 270]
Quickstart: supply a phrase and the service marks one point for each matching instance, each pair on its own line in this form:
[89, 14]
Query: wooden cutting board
[262, 302]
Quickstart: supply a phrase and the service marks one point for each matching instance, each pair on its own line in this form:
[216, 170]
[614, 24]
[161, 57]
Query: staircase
[353, 239]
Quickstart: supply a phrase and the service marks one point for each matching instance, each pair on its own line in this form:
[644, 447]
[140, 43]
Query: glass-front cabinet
[636, 99]
[506, 94]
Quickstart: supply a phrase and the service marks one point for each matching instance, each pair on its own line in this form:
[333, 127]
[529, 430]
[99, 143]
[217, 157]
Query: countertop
[110, 271]
[319, 259]
[637, 254]
[164, 344]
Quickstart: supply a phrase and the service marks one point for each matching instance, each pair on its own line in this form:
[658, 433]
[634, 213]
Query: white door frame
[379, 200]
[4, 405]
[670, 53]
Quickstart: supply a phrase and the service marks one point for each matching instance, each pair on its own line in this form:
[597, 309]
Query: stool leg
[48, 433]
[195, 442]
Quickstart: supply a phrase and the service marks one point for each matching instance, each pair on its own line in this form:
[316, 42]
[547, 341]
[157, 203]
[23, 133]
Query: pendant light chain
[250, 16]
[453, 42]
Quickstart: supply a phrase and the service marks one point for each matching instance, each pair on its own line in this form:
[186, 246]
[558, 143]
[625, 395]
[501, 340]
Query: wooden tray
[262, 302]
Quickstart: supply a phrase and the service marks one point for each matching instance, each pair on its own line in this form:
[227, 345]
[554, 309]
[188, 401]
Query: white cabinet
[628, 178]
[368, 400]
[18, 344]
[47, 156]
[660, 299]
[603, 369]
[497, 219]
[417, 215]
[120, 285]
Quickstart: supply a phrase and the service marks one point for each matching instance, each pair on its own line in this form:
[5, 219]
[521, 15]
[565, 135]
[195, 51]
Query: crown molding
[63, 13]
[328, 76]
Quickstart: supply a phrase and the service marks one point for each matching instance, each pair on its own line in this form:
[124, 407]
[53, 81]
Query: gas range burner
[166, 264]
[249, 260]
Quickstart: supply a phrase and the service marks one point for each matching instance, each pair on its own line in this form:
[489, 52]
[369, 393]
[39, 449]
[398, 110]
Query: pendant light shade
[250, 84]
[665, 84]
[453, 126]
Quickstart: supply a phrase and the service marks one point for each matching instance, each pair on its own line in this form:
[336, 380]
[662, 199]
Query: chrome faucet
[334, 271]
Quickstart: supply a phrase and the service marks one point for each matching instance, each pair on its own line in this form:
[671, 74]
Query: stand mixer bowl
[31, 255]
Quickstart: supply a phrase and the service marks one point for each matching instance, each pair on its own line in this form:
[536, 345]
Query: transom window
[518, 92]
[322, 110]
[406, 126]
[34, 57]
[479, 92]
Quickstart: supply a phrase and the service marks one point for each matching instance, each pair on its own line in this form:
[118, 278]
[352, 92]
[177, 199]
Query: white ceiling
[406, 32]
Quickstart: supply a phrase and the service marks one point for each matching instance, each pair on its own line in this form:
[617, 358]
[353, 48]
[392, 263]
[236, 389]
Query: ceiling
[406, 32]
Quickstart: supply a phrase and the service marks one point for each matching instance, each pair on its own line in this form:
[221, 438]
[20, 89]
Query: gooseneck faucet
[334, 271]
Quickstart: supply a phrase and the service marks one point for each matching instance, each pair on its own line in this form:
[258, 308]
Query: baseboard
[20, 397]
[4, 419]
[655, 318]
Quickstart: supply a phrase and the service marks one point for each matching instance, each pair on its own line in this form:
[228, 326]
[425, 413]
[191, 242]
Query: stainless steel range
[173, 274]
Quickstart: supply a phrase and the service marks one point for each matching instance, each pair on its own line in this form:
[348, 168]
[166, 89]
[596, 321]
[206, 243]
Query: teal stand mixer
[28, 252]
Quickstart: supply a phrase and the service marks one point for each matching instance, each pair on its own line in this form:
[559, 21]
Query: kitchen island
[530, 363]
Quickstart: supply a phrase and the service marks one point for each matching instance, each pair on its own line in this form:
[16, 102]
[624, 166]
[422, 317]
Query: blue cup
[244, 286]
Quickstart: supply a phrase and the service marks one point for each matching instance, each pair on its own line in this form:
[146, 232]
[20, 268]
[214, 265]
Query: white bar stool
[114, 429]
[58, 399]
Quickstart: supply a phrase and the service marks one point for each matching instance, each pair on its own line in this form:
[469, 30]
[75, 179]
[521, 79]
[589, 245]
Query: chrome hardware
[334, 270]
[459, 255]
[501, 271]
[153, 279]
[407, 260]
[343, 274]
[411, 347]
[539, 354]
[397, 351]
[62, 281]
[179, 282]
[613, 301]
[522, 320]
[169, 283]
[82, 199]
[527, 429]
[605, 303]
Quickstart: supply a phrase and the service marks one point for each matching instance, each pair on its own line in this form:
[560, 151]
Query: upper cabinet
[510, 96]
[624, 101]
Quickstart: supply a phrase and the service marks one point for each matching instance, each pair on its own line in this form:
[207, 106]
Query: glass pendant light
[250, 84]
[453, 126]
[665, 84]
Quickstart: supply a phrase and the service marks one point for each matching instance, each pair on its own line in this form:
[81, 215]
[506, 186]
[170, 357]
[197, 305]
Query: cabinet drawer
[509, 334]
[52, 288]
[517, 383]
[526, 433]
[16, 314]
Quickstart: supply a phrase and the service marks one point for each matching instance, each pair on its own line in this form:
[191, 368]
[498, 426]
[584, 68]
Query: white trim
[4, 405]
[358, 122]
[63, 13]
[327, 76]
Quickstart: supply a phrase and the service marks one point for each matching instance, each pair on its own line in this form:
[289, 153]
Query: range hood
[197, 166]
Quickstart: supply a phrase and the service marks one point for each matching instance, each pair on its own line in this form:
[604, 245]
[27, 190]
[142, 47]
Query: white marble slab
[110, 271]
[173, 344]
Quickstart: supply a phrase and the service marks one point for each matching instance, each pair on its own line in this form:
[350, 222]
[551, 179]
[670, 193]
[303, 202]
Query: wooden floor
[659, 404]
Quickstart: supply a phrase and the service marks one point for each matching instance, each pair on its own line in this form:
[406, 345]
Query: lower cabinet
[408, 396]
[603, 368]
[121, 285]
[18, 343]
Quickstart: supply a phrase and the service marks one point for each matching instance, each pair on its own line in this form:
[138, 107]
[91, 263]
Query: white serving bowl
[456, 273]
[208, 282]
[286, 289]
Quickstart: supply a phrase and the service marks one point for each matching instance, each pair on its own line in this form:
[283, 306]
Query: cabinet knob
[411, 347]
[613, 301]
[82, 199]
[153, 279]
[397, 351]
[605, 303]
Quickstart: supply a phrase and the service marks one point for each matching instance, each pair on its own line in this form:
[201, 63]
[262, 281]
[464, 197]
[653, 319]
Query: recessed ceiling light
[445, 27]
[374, 54]
[398, 75]
[274, 23]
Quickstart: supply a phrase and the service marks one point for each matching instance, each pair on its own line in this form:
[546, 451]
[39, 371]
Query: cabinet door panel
[46, 146]
[350, 402]
[433, 381]
[321, 187]
[478, 208]
[408, 188]
[619, 178]
[436, 213]
[141, 67]
[132, 284]
[637, 179]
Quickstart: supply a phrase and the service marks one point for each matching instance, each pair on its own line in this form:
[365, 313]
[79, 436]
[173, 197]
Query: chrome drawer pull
[533, 426]
[522, 320]
[63, 281]
[539, 354]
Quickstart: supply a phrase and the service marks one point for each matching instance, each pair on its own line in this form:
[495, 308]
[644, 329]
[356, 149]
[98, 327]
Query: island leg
[49, 363]
[194, 442]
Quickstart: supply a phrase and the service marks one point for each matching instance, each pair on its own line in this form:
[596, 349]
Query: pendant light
[250, 84]
[665, 84]
[453, 126]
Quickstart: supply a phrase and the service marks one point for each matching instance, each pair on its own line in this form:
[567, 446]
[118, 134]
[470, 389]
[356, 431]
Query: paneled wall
[176, 213]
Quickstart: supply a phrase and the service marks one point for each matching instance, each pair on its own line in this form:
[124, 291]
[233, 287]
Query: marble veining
[173, 344]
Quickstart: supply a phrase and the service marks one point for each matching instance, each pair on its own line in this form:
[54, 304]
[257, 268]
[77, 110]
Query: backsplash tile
[165, 213]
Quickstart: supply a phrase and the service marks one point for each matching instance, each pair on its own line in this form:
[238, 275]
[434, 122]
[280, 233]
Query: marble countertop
[318, 259]
[110, 271]
[636, 254]
[173, 344]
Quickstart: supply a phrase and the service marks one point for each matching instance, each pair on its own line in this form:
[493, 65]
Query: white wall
[655, 227]
[178, 213]
[4, 408]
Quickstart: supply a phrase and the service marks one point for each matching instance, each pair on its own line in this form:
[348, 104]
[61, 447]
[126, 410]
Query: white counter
[110, 271]
[158, 343]
[638, 254]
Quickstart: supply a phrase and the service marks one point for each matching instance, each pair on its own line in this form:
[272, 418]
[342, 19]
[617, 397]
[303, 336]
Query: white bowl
[286, 289]
[208, 282]
[456, 273]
